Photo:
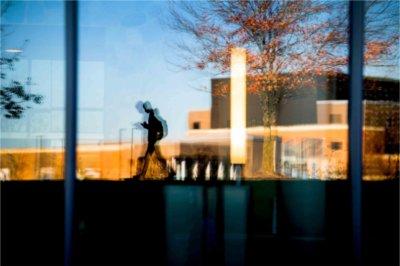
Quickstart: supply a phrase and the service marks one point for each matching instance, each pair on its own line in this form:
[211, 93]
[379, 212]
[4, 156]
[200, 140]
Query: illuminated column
[183, 169]
[238, 110]
[208, 171]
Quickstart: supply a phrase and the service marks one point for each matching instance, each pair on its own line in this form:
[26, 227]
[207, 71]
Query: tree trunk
[268, 159]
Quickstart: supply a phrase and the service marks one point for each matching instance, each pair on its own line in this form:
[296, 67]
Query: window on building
[312, 147]
[196, 125]
[336, 145]
[335, 118]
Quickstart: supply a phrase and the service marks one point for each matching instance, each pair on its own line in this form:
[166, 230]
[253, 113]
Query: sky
[125, 50]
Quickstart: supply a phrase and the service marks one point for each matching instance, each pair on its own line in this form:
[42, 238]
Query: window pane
[32, 114]
[381, 91]
[293, 123]
[32, 90]
[381, 133]
[211, 92]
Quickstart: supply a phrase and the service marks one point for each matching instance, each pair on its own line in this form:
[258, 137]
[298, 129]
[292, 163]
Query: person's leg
[158, 152]
[160, 158]
[147, 157]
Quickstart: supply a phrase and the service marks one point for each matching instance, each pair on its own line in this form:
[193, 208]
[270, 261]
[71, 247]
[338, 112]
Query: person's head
[147, 107]
[139, 106]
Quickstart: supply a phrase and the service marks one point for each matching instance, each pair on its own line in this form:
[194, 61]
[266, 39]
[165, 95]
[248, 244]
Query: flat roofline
[364, 101]
[199, 110]
[260, 129]
[332, 102]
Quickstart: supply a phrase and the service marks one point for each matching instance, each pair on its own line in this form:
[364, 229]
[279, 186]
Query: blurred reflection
[184, 224]
[31, 94]
[156, 130]
[381, 93]
[235, 206]
[294, 79]
[206, 225]
[14, 95]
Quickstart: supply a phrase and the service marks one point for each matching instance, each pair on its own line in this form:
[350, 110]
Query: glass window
[336, 145]
[196, 125]
[381, 132]
[381, 91]
[335, 118]
[32, 90]
[161, 99]
[245, 101]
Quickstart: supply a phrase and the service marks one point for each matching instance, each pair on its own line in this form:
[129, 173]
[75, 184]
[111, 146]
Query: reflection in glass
[296, 87]
[381, 91]
[238, 103]
[156, 128]
[32, 90]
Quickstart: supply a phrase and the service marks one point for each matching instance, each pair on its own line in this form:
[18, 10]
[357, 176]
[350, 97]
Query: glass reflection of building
[32, 146]
[310, 138]
[36, 29]
[311, 131]
[43, 125]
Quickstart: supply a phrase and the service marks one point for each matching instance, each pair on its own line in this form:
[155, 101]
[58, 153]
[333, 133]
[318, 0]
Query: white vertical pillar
[238, 106]
[221, 171]
[183, 170]
[231, 173]
[195, 170]
[178, 171]
[208, 171]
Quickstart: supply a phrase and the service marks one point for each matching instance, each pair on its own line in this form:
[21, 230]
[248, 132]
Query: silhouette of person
[156, 130]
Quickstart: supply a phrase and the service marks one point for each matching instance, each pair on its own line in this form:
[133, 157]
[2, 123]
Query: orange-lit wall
[113, 161]
[202, 117]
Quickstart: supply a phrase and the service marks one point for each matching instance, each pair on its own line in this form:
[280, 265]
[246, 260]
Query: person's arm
[145, 125]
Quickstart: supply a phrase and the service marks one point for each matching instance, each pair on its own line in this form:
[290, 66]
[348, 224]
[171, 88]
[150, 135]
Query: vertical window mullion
[71, 59]
[355, 116]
